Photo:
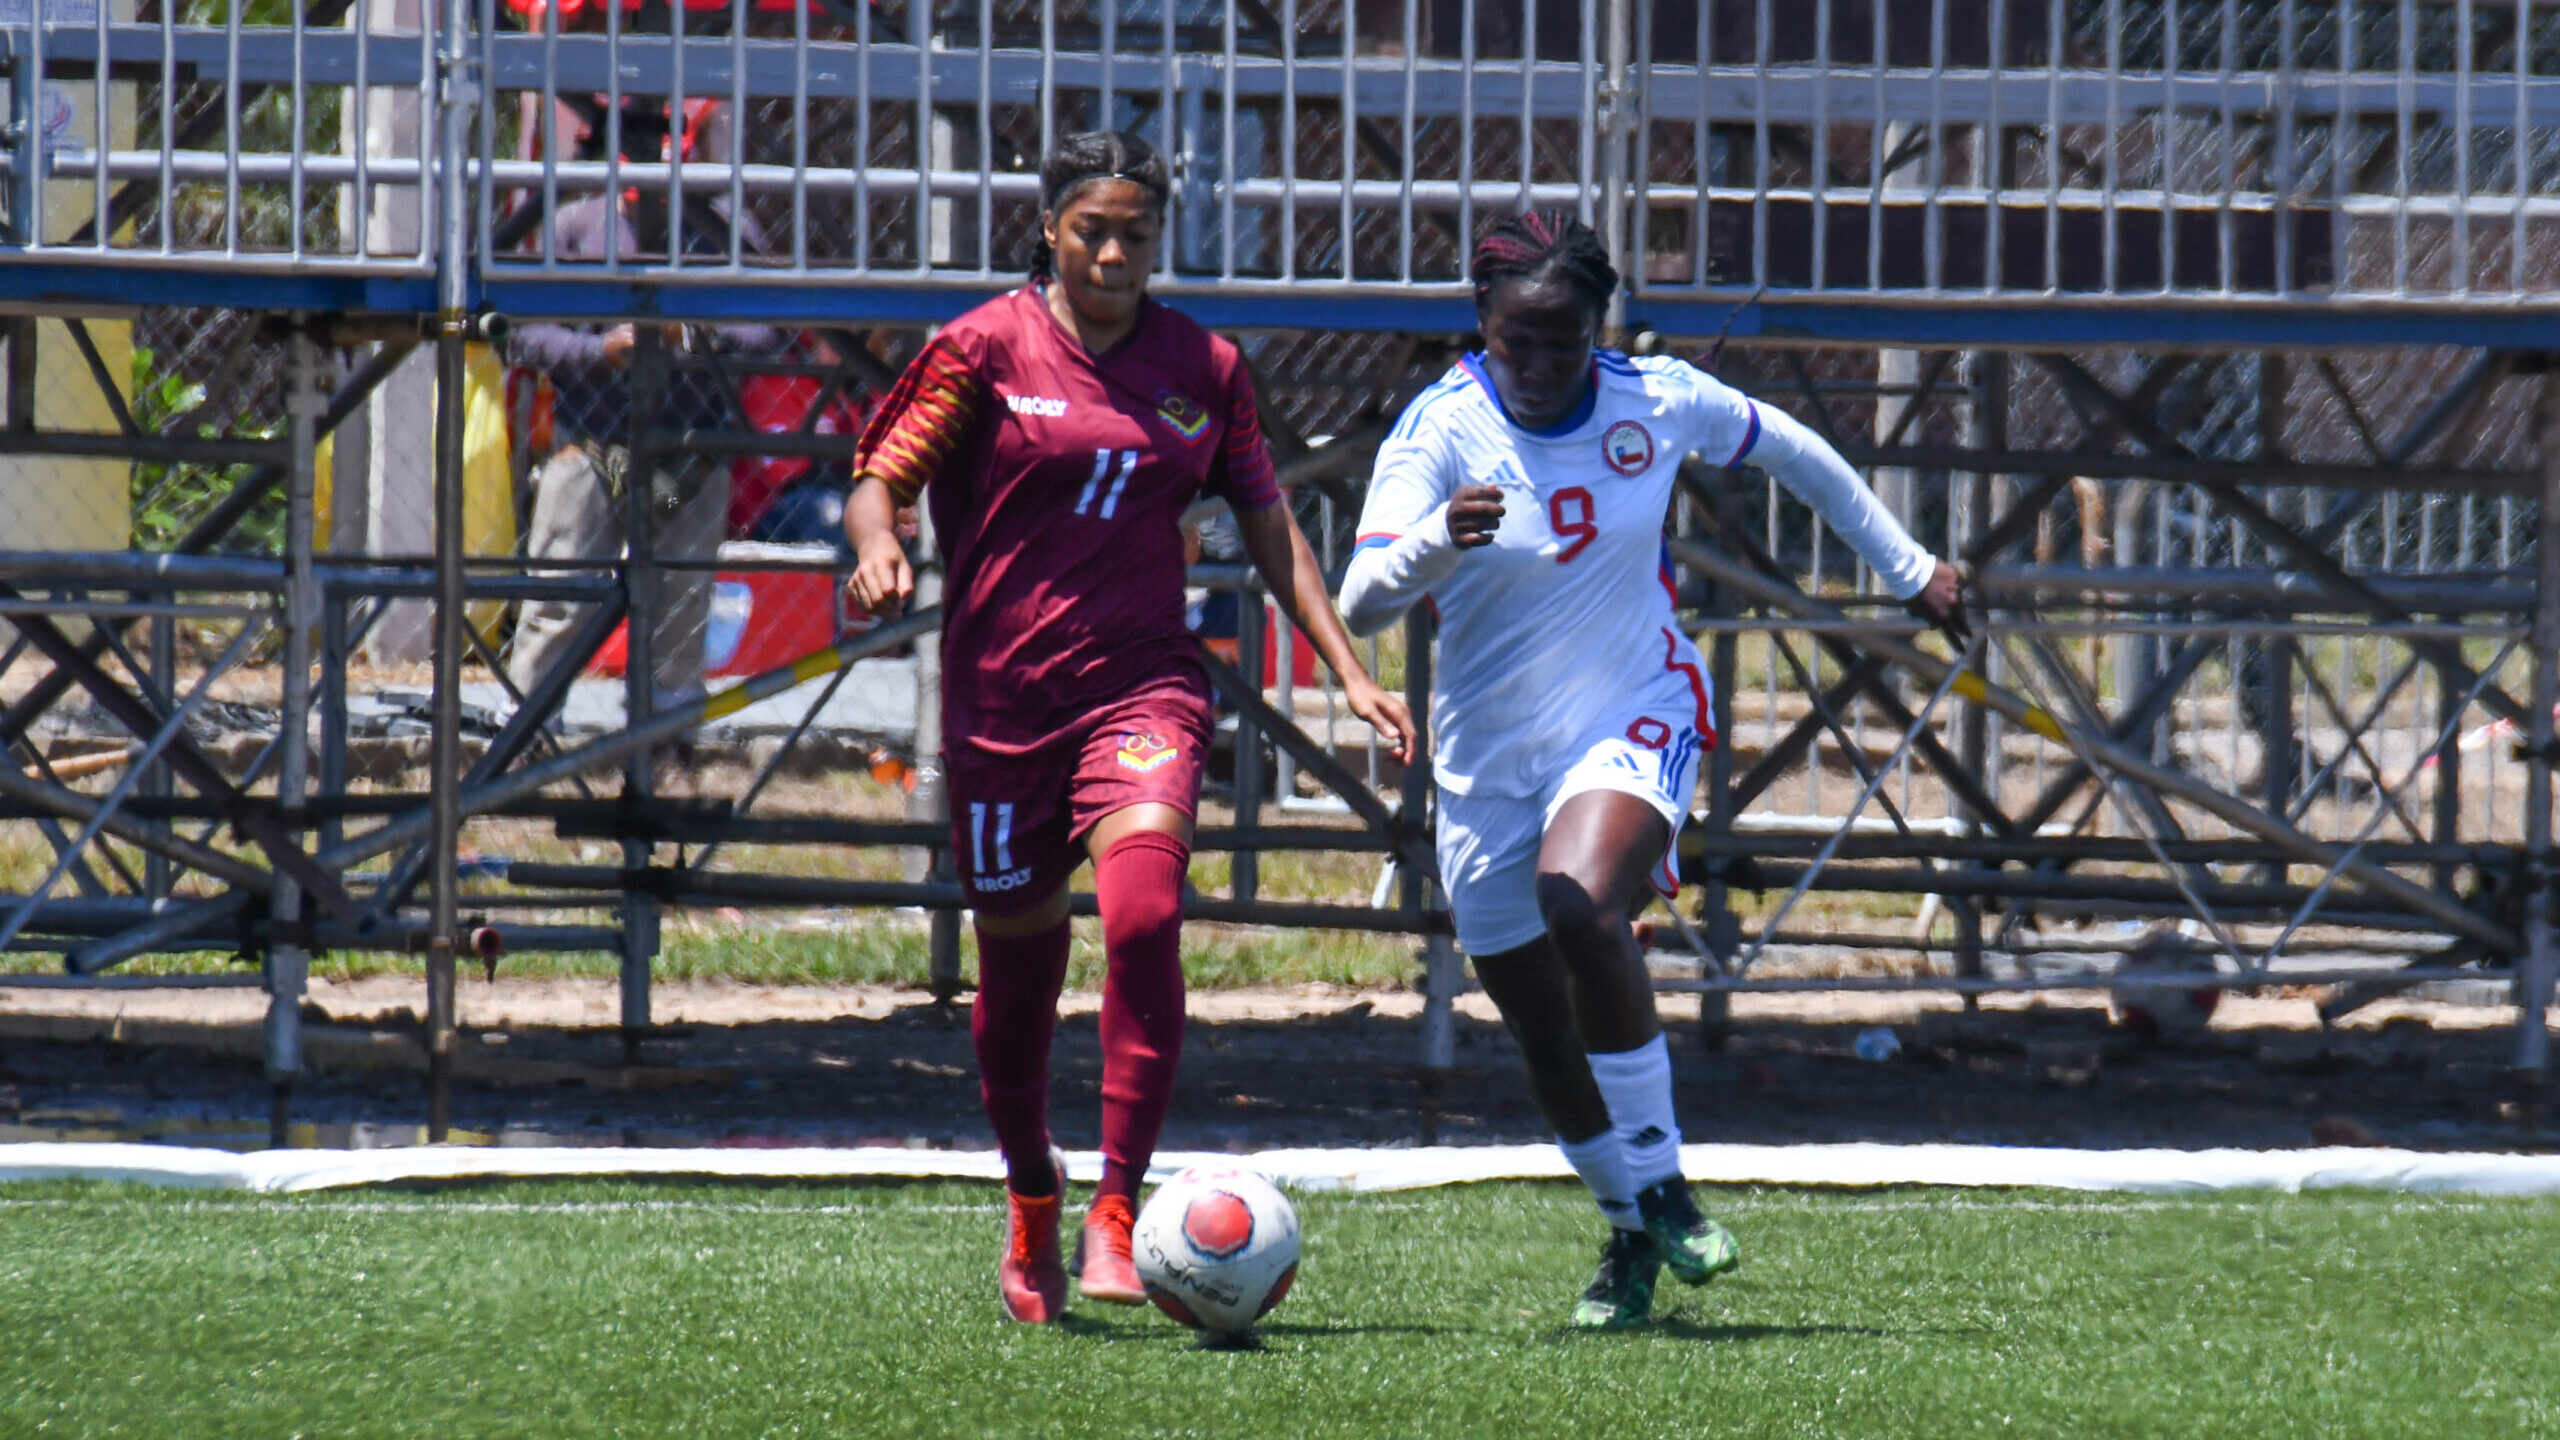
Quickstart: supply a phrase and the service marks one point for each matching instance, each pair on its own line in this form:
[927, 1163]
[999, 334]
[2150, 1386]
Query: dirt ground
[542, 1062]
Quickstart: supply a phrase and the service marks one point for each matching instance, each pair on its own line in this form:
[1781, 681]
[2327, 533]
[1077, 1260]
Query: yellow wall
[49, 503]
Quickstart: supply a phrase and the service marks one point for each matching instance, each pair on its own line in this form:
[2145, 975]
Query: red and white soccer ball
[2175, 1015]
[1217, 1248]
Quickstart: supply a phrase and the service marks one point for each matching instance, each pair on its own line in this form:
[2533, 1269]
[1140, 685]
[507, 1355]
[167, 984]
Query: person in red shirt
[1059, 433]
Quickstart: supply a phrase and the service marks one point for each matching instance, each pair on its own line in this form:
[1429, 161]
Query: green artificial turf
[561, 1310]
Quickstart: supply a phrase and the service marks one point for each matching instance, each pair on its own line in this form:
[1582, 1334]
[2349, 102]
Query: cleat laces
[1112, 1218]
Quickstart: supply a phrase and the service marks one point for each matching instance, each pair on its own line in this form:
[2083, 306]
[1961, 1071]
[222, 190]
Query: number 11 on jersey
[1104, 469]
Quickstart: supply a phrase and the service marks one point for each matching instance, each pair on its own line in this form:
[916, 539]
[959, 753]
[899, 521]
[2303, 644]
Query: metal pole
[1443, 970]
[158, 874]
[1284, 698]
[2446, 818]
[645, 585]
[2541, 958]
[1715, 903]
[26, 186]
[1617, 100]
[930, 801]
[1990, 425]
[2275, 654]
[289, 960]
[445, 744]
[334, 646]
[1246, 874]
[456, 104]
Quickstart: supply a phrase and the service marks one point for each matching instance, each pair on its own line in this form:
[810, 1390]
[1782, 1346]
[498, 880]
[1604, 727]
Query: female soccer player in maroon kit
[1062, 431]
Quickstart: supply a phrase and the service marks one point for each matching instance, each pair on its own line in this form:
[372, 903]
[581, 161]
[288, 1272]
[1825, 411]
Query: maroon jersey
[1058, 482]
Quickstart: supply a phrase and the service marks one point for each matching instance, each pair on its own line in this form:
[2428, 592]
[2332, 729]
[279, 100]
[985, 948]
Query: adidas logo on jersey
[1040, 405]
[1649, 1135]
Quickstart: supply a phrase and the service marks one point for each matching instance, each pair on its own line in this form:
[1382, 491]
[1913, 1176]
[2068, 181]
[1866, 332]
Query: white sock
[1602, 1163]
[1637, 1086]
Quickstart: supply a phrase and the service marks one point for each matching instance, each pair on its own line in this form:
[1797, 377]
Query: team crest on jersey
[1145, 753]
[1181, 414]
[1628, 447]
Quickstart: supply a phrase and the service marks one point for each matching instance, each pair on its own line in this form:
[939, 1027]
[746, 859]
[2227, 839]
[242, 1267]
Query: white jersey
[1567, 617]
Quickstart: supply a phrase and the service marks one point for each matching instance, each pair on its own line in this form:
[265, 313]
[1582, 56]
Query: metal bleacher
[2216, 338]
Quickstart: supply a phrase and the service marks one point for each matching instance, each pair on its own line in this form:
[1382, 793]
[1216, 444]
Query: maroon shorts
[1018, 822]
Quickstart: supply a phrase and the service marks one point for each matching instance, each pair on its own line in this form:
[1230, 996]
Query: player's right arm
[1414, 526]
[912, 435]
[1763, 435]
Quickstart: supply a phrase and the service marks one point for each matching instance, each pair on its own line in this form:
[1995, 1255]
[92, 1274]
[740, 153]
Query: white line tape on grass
[1855, 1166]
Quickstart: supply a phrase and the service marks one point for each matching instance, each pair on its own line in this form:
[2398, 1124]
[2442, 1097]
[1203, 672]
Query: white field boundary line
[2159, 1172]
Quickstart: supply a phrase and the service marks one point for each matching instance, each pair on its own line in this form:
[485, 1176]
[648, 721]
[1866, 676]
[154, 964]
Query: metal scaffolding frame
[2216, 300]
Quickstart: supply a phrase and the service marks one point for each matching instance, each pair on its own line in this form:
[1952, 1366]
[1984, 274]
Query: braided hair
[1080, 160]
[1538, 243]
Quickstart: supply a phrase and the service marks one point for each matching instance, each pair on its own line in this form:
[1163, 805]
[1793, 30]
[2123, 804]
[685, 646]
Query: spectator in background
[580, 486]
[791, 499]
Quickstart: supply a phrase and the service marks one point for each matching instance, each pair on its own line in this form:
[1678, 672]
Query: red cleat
[1033, 1282]
[1107, 1272]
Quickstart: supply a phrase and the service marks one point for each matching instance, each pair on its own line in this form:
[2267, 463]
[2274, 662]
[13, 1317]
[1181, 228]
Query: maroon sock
[1010, 1024]
[1139, 880]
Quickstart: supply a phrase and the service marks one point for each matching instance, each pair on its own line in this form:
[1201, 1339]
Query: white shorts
[1489, 843]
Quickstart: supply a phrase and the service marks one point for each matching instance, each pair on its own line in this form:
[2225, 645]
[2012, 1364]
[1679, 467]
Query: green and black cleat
[1696, 1248]
[1622, 1293]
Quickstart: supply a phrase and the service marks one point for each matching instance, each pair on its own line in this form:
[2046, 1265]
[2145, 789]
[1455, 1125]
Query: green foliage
[577, 1309]
[167, 499]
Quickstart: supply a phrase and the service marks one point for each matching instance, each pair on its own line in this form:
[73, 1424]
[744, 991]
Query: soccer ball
[2173, 1016]
[1217, 1247]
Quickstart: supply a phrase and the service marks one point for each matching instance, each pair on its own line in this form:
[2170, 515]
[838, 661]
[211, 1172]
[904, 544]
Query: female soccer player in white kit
[1523, 496]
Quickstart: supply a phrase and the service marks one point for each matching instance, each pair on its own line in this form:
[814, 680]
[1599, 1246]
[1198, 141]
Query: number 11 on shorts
[979, 837]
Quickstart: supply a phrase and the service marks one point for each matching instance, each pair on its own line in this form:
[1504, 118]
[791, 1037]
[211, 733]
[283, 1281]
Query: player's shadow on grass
[1086, 1327]
[1320, 1330]
[1680, 1327]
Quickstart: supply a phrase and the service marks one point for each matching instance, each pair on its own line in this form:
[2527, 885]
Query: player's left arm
[1242, 476]
[1800, 460]
[1279, 550]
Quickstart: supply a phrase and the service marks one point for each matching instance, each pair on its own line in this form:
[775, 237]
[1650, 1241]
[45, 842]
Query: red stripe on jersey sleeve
[920, 421]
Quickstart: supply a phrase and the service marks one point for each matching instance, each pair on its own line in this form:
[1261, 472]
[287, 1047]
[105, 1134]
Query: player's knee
[1576, 919]
[1048, 914]
[1140, 883]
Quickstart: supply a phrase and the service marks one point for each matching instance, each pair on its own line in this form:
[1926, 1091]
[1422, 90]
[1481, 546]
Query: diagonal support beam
[255, 820]
[661, 726]
[208, 532]
[2381, 883]
[1958, 776]
[2136, 719]
[2314, 559]
[134, 771]
[1404, 832]
[1867, 774]
[522, 729]
[72, 805]
[1791, 747]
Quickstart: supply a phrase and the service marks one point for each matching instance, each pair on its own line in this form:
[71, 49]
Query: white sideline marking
[2157, 1172]
[513, 1207]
